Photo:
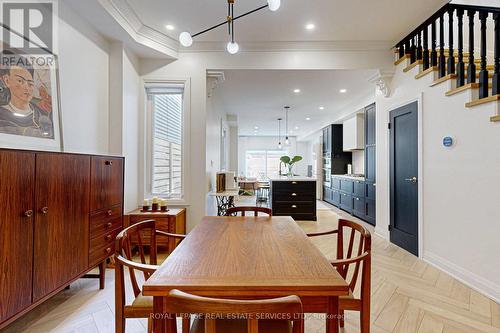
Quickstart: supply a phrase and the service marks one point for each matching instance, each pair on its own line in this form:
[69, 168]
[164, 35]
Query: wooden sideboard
[172, 221]
[59, 216]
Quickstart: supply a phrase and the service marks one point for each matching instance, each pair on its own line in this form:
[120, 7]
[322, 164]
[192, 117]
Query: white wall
[358, 162]
[459, 194]
[84, 80]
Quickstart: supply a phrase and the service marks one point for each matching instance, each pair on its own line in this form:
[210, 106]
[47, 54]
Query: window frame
[266, 153]
[186, 143]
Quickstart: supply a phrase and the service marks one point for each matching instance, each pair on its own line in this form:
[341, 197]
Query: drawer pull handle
[108, 250]
[109, 224]
[294, 194]
[108, 162]
[108, 237]
[294, 206]
[110, 212]
[28, 213]
[294, 182]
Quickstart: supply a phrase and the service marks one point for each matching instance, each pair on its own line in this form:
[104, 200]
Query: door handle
[28, 213]
[44, 210]
[412, 179]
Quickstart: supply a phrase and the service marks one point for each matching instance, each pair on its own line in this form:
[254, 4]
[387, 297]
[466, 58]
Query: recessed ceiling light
[310, 26]
[256, 127]
[296, 91]
[321, 107]
[342, 91]
[296, 127]
[170, 27]
[308, 118]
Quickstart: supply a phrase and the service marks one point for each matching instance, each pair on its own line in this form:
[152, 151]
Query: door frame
[420, 185]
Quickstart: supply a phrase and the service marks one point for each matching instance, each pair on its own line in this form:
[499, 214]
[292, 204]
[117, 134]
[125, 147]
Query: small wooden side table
[172, 221]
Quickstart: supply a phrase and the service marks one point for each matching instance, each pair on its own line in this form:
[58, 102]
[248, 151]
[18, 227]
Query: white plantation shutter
[167, 111]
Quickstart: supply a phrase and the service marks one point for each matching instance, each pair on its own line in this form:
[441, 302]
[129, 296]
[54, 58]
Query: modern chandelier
[186, 39]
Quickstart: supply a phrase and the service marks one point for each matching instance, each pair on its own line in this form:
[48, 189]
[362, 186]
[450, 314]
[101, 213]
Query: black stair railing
[416, 45]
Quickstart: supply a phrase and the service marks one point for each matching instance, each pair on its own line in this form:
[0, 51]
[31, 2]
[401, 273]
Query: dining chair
[128, 240]
[282, 315]
[353, 263]
[233, 211]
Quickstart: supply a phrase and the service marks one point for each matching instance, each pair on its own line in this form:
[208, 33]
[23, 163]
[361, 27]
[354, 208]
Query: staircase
[473, 72]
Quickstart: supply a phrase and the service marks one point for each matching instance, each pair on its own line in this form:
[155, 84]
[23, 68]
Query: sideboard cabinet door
[62, 220]
[107, 182]
[17, 184]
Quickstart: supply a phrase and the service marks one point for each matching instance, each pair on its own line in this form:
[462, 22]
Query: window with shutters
[165, 104]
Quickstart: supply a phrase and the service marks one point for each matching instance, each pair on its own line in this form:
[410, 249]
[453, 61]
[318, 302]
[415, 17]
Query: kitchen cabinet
[46, 224]
[355, 196]
[370, 143]
[335, 160]
[354, 133]
[295, 198]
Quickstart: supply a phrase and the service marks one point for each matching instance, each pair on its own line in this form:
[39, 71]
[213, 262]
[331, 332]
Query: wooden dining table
[249, 258]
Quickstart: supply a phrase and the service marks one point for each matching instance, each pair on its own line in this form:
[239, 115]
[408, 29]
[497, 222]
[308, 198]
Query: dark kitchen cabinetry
[335, 160]
[294, 198]
[370, 162]
[46, 224]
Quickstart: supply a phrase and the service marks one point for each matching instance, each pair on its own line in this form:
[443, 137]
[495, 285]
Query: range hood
[354, 133]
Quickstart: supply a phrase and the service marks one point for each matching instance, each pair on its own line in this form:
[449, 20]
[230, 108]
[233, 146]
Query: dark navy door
[403, 177]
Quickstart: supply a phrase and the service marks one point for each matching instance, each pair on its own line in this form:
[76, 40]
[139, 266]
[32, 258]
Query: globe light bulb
[274, 5]
[233, 47]
[287, 141]
[279, 145]
[185, 39]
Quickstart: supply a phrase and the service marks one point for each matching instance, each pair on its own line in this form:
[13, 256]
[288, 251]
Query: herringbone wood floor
[408, 295]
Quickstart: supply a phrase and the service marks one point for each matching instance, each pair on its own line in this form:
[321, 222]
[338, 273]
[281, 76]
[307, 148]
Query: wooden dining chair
[234, 211]
[353, 263]
[141, 236]
[283, 315]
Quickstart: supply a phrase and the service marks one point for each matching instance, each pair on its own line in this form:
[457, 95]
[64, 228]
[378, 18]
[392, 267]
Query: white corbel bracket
[382, 79]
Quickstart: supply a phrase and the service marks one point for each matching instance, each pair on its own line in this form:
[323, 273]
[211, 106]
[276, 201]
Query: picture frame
[30, 103]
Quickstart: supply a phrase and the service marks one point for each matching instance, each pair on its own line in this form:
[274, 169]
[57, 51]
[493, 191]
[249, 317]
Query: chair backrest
[233, 211]
[289, 307]
[354, 255]
[142, 236]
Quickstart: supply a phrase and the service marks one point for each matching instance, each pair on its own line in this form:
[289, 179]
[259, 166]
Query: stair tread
[462, 88]
[400, 60]
[427, 71]
[485, 100]
[495, 118]
[444, 79]
[413, 65]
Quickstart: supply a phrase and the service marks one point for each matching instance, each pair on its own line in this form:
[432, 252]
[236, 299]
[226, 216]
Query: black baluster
[413, 51]
[425, 55]
[471, 71]
[483, 74]
[434, 57]
[442, 58]
[496, 75]
[460, 64]
[419, 47]
[401, 49]
[451, 55]
[407, 47]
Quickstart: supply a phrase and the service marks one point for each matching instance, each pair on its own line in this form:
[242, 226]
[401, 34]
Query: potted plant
[289, 163]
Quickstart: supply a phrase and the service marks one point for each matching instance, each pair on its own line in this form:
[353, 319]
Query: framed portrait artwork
[30, 113]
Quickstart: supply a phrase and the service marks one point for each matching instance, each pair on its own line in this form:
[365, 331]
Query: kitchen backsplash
[358, 162]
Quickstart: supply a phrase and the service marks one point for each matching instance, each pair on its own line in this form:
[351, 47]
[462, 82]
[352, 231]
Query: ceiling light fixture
[296, 127]
[310, 26]
[287, 142]
[186, 39]
[279, 133]
[321, 107]
[169, 27]
[308, 118]
[296, 91]
[256, 127]
[342, 91]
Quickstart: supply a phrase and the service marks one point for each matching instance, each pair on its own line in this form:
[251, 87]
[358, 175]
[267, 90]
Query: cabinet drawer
[162, 224]
[295, 196]
[336, 183]
[347, 186]
[97, 255]
[290, 208]
[294, 187]
[101, 227]
[359, 207]
[346, 202]
[359, 188]
[105, 239]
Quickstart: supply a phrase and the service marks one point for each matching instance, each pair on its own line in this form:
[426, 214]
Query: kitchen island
[294, 196]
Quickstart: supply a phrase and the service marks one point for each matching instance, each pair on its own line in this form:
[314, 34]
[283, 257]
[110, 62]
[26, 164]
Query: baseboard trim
[474, 281]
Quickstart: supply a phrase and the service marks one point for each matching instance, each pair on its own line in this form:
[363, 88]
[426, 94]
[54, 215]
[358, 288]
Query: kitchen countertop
[350, 177]
[290, 179]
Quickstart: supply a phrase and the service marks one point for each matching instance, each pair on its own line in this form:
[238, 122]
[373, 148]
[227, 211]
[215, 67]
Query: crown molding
[142, 34]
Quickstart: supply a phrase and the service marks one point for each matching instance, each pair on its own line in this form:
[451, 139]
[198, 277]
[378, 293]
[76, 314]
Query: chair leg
[102, 274]
[364, 321]
[120, 323]
[150, 325]
[186, 323]
[341, 319]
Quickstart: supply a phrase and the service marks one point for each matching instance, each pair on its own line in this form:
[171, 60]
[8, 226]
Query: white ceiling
[335, 20]
[257, 97]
